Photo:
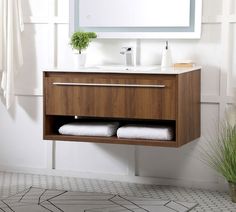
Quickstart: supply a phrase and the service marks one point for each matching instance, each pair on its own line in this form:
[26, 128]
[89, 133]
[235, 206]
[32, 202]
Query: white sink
[126, 68]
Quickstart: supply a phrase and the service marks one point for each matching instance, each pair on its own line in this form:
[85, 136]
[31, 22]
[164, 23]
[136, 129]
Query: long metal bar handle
[107, 85]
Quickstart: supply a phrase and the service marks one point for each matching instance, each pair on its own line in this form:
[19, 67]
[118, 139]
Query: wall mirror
[137, 18]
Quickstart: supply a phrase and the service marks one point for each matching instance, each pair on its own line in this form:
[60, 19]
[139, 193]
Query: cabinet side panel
[188, 107]
[49, 122]
[44, 105]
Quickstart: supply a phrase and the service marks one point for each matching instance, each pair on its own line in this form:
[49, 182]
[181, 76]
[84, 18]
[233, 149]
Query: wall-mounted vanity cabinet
[137, 19]
[152, 97]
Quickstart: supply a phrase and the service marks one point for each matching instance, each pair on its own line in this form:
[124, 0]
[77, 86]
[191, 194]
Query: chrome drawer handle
[107, 85]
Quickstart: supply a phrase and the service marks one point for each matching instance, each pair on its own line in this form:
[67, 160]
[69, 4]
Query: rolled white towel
[153, 132]
[106, 129]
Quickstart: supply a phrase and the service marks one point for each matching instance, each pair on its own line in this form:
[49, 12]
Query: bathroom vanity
[170, 97]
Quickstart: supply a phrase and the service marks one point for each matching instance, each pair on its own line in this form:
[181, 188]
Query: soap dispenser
[166, 57]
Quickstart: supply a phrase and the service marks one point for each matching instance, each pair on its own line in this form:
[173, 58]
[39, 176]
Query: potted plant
[80, 41]
[221, 153]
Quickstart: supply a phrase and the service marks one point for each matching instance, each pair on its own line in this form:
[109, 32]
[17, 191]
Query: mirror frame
[195, 34]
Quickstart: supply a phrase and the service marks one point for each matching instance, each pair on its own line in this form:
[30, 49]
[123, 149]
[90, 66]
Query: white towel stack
[106, 129]
[154, 132]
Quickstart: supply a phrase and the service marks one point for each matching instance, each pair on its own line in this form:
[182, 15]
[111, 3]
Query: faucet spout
[125, 50]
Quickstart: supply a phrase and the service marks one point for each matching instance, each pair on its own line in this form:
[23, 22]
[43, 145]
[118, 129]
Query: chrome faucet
[129, 55]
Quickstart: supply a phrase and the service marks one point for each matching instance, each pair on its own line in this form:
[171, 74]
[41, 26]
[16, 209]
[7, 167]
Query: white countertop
[131, 70]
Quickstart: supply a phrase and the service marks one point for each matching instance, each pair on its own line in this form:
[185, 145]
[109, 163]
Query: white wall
[45, 44]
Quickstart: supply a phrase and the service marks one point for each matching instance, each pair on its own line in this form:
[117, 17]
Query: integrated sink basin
[126, 68]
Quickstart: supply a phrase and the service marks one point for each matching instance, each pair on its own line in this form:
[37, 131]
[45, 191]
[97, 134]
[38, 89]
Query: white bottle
[166, 57]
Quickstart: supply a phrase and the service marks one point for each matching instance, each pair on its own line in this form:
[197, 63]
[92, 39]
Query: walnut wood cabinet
[172, 99]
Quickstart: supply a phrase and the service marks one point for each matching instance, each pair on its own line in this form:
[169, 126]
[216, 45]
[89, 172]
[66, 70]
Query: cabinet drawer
[111, 95]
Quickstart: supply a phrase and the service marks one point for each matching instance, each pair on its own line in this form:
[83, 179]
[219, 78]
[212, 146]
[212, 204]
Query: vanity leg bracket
[51, 155]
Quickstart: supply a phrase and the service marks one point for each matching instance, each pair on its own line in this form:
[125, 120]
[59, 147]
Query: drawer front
[111, 95]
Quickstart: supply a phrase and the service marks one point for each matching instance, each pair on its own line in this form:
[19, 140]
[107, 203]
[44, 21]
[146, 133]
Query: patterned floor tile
[43, 200]
[208, 201]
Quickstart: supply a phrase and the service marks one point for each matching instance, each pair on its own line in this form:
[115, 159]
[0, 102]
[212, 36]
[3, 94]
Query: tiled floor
[208, 201]
[35, 199]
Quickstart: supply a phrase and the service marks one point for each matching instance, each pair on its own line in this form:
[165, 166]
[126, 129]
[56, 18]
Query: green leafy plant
[220, 153]
[80, 40]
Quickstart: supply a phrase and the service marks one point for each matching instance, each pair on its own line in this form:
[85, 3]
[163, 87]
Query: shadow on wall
[110, 50]
[167, 163]
[107, 52]
[156, 158]
[182, 163]
[122, 154]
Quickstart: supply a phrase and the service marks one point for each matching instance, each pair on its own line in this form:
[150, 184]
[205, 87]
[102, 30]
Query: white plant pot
[79, 60]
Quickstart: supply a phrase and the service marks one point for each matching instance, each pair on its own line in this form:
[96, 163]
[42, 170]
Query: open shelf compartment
[53, 123]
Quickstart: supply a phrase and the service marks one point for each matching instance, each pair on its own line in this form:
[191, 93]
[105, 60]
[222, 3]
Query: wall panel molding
[46, 20]
[225, 55]
[212, 19]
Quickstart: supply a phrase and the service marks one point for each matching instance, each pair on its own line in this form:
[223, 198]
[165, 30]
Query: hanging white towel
[2, 32]
[11, 58]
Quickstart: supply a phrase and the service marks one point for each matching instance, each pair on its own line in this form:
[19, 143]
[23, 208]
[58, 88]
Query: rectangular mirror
[133, 13]
[137, 18]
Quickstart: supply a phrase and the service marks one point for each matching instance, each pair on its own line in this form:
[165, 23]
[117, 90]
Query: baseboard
[214, 186]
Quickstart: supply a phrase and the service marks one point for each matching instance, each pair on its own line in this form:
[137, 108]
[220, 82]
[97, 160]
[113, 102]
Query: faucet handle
[128, 48]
